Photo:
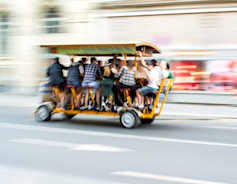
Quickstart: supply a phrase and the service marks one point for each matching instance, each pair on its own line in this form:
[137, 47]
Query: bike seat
[125, 89]
[88, 87]
[70, 86]
[54, 86]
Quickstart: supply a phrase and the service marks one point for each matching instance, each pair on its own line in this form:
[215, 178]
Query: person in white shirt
[82, 65]
[154, 75]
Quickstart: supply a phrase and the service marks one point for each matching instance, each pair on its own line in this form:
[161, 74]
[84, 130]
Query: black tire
[43, 114]
[129, 119]
[67, 116]
[147, 121]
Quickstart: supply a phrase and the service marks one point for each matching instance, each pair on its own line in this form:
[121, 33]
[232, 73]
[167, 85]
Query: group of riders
[115, 79]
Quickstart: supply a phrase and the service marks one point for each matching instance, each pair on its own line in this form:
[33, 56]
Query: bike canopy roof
[130, 49]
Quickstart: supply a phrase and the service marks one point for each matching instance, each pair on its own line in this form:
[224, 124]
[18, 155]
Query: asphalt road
[92, 149]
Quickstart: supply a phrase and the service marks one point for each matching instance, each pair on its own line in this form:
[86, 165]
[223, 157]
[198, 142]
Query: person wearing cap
[154, 62]
[56, 78]
[153, 76]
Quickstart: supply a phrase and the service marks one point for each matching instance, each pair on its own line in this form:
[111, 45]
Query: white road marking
[223, 127]
[191, 115]
[114, 135]
[23, 175]
[162, 177]
[18, 105]
[71, 146]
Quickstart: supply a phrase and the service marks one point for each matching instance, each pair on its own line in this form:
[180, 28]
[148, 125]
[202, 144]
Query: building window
[4, 34]
[52, 21]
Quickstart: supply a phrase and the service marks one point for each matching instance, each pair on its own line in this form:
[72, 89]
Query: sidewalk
[170, 110]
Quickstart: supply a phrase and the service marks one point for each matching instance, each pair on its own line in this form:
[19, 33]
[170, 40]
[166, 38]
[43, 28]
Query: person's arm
[143, 63]
[115, 71]
[99, 71]
[121, 71]
[64, 67]
[48, 71]
[148, 75]
[82, 69]
[165, 73]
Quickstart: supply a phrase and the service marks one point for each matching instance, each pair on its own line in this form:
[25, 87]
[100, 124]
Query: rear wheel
[129, 119]
[67, 116]
[43, 114]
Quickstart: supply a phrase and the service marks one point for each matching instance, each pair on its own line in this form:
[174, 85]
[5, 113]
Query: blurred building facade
[198, 38]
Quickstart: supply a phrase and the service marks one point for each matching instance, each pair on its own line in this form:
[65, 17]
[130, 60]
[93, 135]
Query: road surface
[192, 149]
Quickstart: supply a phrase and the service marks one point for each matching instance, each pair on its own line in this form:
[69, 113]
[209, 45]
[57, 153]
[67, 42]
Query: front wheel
[43, 114]
[129, 119]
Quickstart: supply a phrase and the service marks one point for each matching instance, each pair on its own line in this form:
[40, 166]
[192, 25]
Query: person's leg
[95, 85]
[63, 98]
[86, 95]
[151, 100]
[74, 91]
[63, 88]
[149, 95]
[98, 97]
[147, 100]
[86, 98]
[121, 86]
[125, 98]
[142, 101]
[115, 90]
[138, 94]
[103, 100]
[132, 94]
[80, 91]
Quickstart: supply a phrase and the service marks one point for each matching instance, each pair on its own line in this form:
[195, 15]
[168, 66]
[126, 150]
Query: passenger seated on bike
[56, 78]
[73, 78]
[100, 63]
[167, 73]
[114, 61]
[107, 83]
[89, 80]
[153, 76]
[55, 74]
[127, 81]
[82, 65]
